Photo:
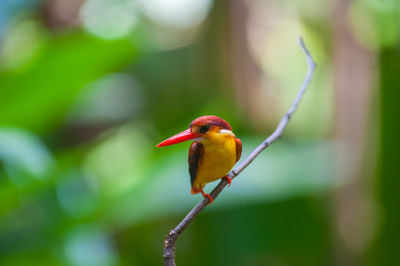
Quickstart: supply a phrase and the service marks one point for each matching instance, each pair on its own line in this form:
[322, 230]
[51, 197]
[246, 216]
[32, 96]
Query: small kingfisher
[213, 153]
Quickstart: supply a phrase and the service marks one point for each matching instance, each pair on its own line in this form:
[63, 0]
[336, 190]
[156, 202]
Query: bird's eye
[204, 128]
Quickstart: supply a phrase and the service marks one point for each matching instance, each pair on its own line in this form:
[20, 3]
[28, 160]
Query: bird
[213, 153]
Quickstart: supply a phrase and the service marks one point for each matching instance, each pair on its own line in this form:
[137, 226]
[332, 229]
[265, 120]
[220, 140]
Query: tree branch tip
[307, 53]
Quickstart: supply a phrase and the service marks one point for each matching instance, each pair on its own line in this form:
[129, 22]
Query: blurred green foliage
[87, 88]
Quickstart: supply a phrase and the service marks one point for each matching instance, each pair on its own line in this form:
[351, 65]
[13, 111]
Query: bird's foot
[207, 196]
[229, 180]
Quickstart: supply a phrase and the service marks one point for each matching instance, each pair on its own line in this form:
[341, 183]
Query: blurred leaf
[38, 99]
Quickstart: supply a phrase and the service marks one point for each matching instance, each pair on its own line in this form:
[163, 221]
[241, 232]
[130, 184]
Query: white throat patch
[225, 131]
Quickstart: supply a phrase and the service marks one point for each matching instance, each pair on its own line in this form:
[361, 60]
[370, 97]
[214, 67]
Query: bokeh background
[88, 87]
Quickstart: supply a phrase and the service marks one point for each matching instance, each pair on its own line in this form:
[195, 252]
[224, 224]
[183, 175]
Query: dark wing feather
[195, 155]
[238, 149]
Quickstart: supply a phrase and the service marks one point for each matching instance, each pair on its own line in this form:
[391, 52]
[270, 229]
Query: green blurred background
[88, 87]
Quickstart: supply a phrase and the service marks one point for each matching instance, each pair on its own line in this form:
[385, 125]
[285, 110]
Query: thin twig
[170, 241]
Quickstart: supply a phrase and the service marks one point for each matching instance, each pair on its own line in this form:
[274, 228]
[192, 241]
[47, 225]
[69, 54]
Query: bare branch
[170, 241]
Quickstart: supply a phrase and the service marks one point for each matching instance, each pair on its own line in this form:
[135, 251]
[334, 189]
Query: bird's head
[202, 128]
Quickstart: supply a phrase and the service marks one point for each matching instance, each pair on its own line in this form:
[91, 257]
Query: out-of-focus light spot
[89, 246]
[177, 13]
[21, 45]
[109, 19]
[77, 194]
[24, 156]
[112, 98]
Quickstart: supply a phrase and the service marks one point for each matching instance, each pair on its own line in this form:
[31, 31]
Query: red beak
[178, 138]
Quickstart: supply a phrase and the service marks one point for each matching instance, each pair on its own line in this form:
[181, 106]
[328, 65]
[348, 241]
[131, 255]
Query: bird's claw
[229, 180]
[210, 198]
